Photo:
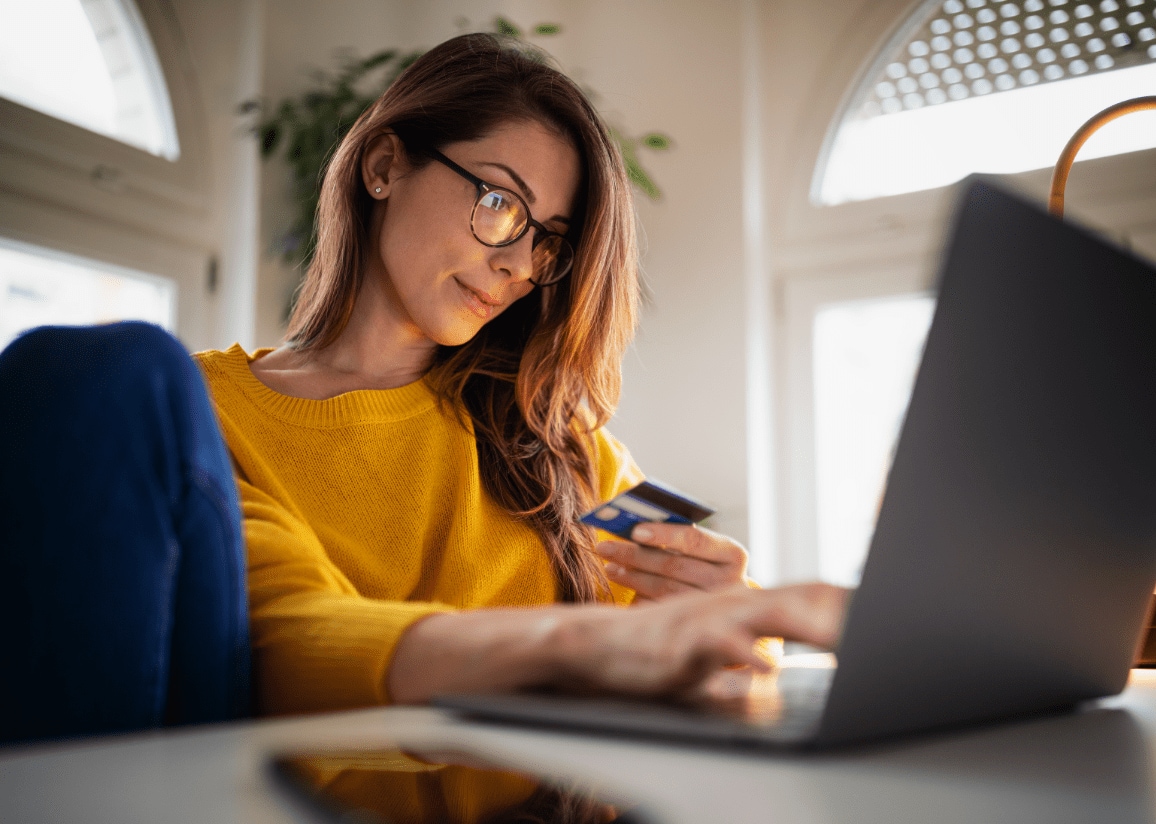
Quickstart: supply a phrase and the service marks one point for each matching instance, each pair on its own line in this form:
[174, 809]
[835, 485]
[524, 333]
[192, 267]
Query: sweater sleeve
[317, 644]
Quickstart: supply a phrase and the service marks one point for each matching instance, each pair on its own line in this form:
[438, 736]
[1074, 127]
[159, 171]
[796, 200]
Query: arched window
[990, 86]
[89, 62]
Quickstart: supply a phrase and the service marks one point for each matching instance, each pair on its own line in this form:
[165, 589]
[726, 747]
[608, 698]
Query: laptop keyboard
[781, 708]
[803, 693]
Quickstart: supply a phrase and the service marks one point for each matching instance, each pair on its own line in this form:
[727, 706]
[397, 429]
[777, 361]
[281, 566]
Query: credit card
[648, 502]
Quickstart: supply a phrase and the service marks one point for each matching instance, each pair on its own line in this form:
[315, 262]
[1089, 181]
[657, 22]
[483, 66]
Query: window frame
[66, 188]
[853, 94]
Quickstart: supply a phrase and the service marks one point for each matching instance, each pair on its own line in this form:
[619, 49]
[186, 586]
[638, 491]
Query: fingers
[647, 585]
[723, 685]
[678, 559]
[737, 649]
[670, 647]
[693, 541]
[703, 652]
[685, 569]
[665, 647]
[811, 613]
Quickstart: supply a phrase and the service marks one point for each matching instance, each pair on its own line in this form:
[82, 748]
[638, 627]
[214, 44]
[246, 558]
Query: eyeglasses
[501, 217]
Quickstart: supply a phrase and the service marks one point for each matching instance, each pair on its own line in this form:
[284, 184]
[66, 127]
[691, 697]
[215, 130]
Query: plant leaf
[270, 135]
[547, 29]
[409, 60]
[375, 60]
[641, 179]
[656, 140]
[505, 27]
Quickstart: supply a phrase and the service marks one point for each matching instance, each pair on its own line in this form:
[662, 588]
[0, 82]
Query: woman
[413, 460]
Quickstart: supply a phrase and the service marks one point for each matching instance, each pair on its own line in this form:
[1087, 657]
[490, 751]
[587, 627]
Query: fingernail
[642, 533]
[613, 569]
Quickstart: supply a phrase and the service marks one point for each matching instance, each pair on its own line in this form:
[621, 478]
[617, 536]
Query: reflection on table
[398, 787]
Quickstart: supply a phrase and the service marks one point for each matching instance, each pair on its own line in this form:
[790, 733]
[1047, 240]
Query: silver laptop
[1015, 552]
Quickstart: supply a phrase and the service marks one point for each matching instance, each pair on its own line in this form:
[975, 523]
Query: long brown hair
[541, 376]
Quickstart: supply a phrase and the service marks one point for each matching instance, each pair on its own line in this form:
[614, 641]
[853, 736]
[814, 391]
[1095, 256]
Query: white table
[1095, 765]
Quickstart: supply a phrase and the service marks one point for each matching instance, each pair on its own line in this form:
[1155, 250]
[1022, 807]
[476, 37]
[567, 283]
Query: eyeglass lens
[498, 217]
[552, 258]
[501, 217]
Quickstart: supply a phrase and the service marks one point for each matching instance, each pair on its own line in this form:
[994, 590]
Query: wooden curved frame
[1068, 155]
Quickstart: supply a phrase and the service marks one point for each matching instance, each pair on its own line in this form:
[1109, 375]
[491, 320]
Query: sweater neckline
[355, 406]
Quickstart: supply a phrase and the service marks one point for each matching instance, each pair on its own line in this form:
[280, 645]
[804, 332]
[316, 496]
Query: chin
[456, 333]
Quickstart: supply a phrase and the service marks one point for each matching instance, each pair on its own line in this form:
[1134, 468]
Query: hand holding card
[664, 552]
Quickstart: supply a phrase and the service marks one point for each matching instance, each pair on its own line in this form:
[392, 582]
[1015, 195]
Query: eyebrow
[521, 184]
[516, 178]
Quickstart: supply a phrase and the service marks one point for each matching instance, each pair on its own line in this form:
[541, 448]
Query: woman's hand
[668, 559]
[672, 647]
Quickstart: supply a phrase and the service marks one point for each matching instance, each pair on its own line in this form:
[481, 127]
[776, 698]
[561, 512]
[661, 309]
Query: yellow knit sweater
[362, 514]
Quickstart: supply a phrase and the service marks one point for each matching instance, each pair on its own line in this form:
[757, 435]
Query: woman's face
[436, 274]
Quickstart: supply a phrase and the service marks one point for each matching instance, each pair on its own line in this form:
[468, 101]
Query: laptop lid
[1015, 550]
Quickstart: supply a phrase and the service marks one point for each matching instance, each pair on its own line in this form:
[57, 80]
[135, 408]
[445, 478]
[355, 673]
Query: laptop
[1014, 555]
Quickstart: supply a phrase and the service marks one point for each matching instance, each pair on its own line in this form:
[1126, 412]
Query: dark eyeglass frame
[540, 231]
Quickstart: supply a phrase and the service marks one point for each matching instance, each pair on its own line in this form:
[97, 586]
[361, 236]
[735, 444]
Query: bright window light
[1005, 133]
[40, 287]
[991, 86]
[865, 357]
[91, 63]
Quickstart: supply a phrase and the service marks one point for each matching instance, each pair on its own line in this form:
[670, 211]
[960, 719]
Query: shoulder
[219, 363]
[209, 358]
[216, 364]
[226, 372]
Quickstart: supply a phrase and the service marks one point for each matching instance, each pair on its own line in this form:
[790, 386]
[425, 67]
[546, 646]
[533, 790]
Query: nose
[516, 261]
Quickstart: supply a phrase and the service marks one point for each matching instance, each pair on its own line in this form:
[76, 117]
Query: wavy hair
[540, 377]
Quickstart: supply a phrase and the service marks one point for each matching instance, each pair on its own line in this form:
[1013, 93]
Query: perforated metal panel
[967, 48]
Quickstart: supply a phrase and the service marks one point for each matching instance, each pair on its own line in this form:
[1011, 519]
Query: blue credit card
[648, 502]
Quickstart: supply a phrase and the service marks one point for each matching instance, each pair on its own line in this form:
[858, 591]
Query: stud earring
[378, 190]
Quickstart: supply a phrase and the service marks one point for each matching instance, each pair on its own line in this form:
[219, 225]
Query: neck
[380, 345]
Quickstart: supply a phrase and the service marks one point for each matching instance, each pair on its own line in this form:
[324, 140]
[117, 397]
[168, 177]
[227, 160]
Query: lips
[479, 302]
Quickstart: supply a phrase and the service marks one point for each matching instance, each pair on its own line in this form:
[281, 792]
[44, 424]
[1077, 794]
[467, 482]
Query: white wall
[676, 67]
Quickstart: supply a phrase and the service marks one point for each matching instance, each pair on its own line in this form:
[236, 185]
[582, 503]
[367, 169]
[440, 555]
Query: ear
[382, 164]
